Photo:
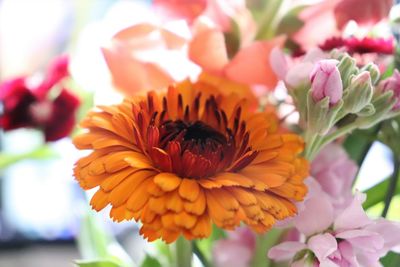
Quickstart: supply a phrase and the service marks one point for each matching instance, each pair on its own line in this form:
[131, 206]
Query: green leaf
[94, 242]
[377, 193]
[291, 23]
[391, 260]
[150, 261]
[41, 153]
[97, 263]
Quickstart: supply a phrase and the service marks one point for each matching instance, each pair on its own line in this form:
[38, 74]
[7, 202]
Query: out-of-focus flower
[251, 65]
[335, 172]
[360, 46]
[148, 56]
[328, 18]
[236, 250]
[219, 13]
[180, 160]
[326, 81]
[392, 84]
[47, 106]
[346, 237]
[295, 72]
[364, 12]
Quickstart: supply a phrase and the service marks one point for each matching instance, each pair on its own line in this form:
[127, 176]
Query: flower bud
[392, 84]
[347, 68]
[358, 94]
[326, 81]
[373, 71]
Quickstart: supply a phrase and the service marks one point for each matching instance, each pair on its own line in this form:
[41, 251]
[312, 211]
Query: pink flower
[236, 250]
[364, 12]
[346, 237]
[326, 81]
[294, 72]
[27, 105]
[328, 18]
[392, 84]
[335, 172]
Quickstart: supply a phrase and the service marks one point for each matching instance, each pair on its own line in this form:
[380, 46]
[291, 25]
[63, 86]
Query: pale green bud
[358, 94]
[373, 71]
[347, 67]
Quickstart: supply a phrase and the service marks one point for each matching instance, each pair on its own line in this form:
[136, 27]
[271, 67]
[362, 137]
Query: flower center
[193, 144]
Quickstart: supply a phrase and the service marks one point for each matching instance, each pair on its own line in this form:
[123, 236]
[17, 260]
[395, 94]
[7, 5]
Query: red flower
[33, 107]
[360, 46]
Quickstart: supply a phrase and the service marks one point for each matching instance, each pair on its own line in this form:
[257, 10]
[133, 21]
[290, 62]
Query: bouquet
[240, 133]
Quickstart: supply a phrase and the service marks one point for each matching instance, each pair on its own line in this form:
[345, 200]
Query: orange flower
[195, 155]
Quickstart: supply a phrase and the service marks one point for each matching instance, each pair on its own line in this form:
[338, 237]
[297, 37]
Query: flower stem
[263, 244]
[200, 255]
[183, 252]
[392, 185]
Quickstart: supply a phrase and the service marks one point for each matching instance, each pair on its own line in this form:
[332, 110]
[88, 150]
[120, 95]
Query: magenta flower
[236, 250]
[393, 84]
[326, 81]
[360, 46]
[335, 172]
[345, 237]
[25, 105]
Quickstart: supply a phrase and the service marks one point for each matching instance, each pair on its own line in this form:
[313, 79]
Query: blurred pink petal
[208, 50]
[335, 172]
[319, 207]
[365, 12]
[322, 245]
[131, 76]
[390, 231]
[319, 24]
[251, 65]
[279, 62]
[243, 235]
[229, 253]
[180, 9]
[353, 216]
[285, 250]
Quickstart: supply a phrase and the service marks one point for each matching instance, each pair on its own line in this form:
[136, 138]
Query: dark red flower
[48, 106]
[360, 46]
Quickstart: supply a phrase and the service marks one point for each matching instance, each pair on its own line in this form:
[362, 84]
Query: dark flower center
[194, 147]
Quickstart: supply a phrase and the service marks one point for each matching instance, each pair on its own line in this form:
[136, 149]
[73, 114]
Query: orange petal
[251, 64]
[174, 202]
[208, 50]
[185, 220]
[198, 206]
[99, 200]
[167, 181]
[189, 189]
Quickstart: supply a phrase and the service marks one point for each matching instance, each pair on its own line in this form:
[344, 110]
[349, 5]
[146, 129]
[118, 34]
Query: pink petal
[180, 9]
[227, 253]
[251, 65]
[322, 245]
[319, 207]
[279, 63]
[285, 250]
[390, 232]
[131, 76]
[362, 239]
[353, 216]
[208, 50]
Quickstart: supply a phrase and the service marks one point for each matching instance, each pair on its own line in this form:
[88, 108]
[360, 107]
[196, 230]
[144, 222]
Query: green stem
[201, 256]
[392, 185]
[338, 133]
[269, 20]
[183, 252]
[263, 244]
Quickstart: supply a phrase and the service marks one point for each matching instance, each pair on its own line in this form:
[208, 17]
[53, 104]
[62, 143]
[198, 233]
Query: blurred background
[41, 206]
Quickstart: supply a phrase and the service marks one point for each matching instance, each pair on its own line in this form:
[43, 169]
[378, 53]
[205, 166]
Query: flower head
[342, 237]
[392, 84]
[27, 105]
[180, 160]
[360, 46]
[326, 81]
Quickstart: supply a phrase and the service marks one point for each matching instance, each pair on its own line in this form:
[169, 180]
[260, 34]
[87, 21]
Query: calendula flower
[181, 160]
